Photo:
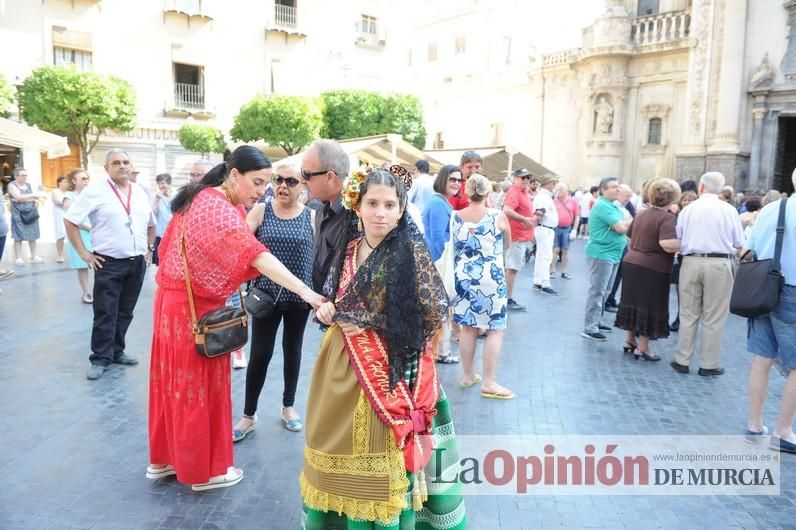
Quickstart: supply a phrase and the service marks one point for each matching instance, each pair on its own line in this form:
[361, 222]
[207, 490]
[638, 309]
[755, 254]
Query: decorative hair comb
[403, 174]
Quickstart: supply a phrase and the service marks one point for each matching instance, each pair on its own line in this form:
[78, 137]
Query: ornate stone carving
[603, 117]
[762, 76]
[698, 73]
[789, 60]
[607, 77]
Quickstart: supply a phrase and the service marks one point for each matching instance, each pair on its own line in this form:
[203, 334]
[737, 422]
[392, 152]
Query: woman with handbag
[285, 227]
[375, 401]
[24, 215]
[207, 251]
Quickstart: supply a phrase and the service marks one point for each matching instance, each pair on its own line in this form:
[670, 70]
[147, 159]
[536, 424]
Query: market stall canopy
[377, 150]
[24, 136]
[497, 161]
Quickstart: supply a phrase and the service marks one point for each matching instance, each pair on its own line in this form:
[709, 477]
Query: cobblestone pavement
[73, 452]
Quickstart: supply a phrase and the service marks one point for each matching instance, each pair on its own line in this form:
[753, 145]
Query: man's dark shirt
[329, 230]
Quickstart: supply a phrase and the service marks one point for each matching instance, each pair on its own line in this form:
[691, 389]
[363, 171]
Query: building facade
[657, 88]
[197, 60]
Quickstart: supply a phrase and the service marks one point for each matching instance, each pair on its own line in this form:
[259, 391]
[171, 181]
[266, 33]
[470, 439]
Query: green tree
[83, 104]
[201, 138]
[6, 97]
[356, 113]
[290, 122]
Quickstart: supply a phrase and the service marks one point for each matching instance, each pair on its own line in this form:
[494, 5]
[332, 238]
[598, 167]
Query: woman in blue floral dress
[481, 237]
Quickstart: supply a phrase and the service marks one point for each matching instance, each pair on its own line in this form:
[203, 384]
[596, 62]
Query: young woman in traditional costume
[376, 411]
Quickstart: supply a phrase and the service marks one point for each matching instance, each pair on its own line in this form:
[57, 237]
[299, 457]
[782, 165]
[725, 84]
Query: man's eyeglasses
[526, 177]
[195, 175]
[308, 175]
[291, 182]
[454, 179]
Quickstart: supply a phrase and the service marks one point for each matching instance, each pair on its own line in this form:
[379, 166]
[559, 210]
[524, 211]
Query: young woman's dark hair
[689, 185]
[245, 158]
[441, 182]
[384, 178]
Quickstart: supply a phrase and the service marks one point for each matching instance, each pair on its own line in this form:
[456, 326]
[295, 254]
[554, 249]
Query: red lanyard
[118, 196]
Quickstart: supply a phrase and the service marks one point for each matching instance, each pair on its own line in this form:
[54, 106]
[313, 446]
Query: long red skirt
[190, 406]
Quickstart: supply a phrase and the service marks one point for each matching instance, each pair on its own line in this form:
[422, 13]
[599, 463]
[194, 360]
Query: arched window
[648, 7]
[654, 132]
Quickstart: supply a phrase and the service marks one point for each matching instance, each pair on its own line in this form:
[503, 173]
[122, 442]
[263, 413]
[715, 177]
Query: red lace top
[219, 245]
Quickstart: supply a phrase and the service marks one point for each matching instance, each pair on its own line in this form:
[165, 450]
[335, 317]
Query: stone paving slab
[74, 451]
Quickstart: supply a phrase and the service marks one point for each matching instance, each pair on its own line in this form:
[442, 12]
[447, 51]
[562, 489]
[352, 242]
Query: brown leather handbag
[220, 331]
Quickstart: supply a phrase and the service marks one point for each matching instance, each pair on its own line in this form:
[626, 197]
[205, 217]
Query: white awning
[497, 162]
[24, 136]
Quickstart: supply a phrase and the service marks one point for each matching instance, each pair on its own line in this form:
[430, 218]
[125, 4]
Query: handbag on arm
[220, 331]
[758, 283]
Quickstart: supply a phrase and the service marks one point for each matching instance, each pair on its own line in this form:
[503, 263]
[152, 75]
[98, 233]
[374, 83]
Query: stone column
[731, 87]
[698, 76]
[789, 60]
[758, 113]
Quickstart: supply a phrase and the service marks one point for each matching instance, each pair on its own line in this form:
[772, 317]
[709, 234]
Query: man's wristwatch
[151, 248]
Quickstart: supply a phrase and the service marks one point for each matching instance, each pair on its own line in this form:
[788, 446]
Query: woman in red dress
[190, 409]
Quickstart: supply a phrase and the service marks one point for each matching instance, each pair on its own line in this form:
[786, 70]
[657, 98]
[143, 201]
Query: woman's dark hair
[689, 185]
[594, 189]
[383, 177]
[441, 182]
[754, 203]
[245, 158]
[59, 180]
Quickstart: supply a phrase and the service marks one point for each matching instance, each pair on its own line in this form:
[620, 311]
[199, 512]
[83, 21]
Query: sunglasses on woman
[454, 179]
[289, 181]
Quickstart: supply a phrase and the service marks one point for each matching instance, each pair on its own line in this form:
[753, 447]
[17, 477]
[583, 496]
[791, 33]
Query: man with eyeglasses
[198, 170]
[517, 207]
[323, 168]
[470, 163]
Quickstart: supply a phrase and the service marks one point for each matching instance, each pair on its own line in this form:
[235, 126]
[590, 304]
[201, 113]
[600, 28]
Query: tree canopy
[356, 113]
[201, 138]
[289, 122]
[6, 97]
[83, 104]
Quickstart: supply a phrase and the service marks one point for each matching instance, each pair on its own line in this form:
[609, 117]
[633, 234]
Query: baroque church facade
[674, 88]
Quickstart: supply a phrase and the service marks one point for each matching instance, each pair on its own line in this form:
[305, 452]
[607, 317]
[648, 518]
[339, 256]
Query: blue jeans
[774, 335]
[2, 246]
[561, 239]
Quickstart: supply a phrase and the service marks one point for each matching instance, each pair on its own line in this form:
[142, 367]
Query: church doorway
[786, 155]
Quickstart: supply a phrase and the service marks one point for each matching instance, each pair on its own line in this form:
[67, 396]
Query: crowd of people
[414, 266]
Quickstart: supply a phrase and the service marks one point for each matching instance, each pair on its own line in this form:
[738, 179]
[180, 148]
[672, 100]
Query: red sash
[409, 414]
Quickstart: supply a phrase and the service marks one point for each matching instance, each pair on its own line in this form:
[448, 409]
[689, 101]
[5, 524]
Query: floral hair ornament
[402, 174]
[352, 188]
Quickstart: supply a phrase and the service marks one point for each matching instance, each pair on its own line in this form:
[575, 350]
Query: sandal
[88, 299]
[240, 434]
[156, 472]
[233, 476]
[502, 393]
[293, 425]
[448, 358]
[472, 381]
[566, 276]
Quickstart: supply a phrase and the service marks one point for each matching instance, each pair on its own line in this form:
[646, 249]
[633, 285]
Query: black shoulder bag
[758, 283]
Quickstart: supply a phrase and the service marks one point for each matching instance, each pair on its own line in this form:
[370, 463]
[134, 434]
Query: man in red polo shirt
[470, 163]
[518, 208]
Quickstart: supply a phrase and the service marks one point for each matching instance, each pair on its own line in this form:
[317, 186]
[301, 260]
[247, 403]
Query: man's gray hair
[712, 181]
[17, 170]
[793, 179]
[114, 151]
[605, 181]
[332, 157]
[203, 162]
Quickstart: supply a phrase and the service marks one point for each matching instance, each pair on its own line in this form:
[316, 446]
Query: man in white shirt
[545, 231]
[422, 186]
[710, 233]
[123, 237]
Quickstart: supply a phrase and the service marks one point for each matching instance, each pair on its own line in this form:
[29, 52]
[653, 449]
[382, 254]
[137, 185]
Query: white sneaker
[37, 259]
[239, 359]
[19, 262]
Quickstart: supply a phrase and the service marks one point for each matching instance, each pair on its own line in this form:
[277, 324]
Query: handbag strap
[780, 235]
[183, 253]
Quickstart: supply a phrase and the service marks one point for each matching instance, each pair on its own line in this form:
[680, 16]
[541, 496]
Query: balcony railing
[661, 29]
[189, 96]
[558, 58]
[285, 16]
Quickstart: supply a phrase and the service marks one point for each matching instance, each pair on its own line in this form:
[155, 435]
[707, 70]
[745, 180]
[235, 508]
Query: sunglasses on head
[291, 182]
[308, 175]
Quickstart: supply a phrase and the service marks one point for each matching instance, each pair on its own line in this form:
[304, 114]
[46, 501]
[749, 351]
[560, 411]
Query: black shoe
[537, 286]
[683, 369]
[550, 291]
[512, 305]
[611, 308]
[95, 371]
[609, 329]
[710, 371]
[674, 326]
[595, 335]
[126, 360]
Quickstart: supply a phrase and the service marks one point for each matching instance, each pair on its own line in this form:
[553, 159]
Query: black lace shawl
[397, 292]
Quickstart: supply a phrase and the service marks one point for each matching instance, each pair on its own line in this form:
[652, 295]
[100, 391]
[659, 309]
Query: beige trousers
[705, 287]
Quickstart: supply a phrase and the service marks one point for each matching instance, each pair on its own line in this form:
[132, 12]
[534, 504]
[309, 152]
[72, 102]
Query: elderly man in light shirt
[544, 232]
[123, 237]
[710, 234]
[773, 335]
